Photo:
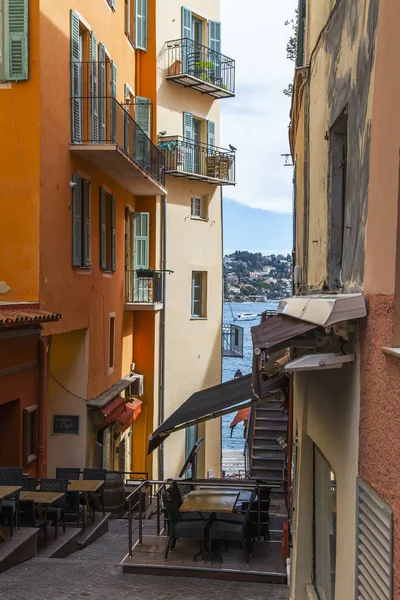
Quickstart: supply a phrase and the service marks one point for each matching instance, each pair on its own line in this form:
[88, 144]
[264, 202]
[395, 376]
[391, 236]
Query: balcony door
[142, 286]
[197, 31]
[197, 149]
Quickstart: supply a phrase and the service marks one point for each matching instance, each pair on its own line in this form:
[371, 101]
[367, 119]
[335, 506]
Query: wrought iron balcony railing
[141, 289]
[195, 160]
[201, 68]
[98, 119]
[232, 341]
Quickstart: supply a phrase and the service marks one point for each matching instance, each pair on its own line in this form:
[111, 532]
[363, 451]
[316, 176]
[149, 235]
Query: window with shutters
[199, 207]
[141, 9]
[80, 222]
[374, 545]
[325, 517]
[111, 343]
[130, 20]
[13, 40]
[107, 231]
[199, 294]
[112, 4]
[30, 433]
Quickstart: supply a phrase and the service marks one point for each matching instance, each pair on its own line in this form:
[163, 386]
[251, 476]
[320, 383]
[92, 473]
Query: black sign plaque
[66, 424]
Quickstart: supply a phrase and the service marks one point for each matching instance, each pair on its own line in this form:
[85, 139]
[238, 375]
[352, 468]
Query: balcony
[200, 68]
[197, 161]
[105, 133]
[232, 341]
[143, 290]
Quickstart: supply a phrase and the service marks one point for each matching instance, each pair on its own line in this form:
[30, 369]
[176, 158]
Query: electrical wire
[66, 389]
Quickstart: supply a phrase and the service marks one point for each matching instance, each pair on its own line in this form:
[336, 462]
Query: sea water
[230, 365]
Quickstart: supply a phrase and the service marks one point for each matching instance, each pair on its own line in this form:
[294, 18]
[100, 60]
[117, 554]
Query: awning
[212, 403]
[113, 405]
[242, 415]
[324, 310]
[136, 406]
[123, 413]
[274, 333]
[319, 362]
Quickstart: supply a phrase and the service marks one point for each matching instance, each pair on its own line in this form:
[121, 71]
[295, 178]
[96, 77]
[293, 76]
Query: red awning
[241, 415]
[136, 405]
[113, 405]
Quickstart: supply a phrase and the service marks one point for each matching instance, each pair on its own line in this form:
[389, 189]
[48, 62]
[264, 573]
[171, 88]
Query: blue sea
[230, 365]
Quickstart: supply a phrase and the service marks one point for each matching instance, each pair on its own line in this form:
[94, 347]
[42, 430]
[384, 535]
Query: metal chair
[178, 501]
[73, 508]
[56, 511]
[10, 506]
[29, 517]
[29, 484]
[181, 528]
[235, 532]
[96, 474]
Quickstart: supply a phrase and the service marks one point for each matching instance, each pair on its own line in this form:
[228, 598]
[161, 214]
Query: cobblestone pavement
[95, 573]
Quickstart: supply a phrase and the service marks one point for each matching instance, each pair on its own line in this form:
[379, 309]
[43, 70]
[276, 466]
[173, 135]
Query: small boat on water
[246, 317]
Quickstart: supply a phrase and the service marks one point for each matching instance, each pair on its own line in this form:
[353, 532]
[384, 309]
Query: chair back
[68, 473]
[170, 507]
[29, 484]
[249, 507]
[55, 485]
[94, 474]
[10, 475]
[175, 494]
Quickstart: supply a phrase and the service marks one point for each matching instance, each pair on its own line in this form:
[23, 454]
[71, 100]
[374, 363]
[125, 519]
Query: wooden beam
[19, 368]
[7, 334]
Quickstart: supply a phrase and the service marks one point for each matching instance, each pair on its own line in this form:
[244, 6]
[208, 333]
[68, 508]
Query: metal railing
[98, 118]
[197, 160]
[187, 57]
[143, 290]
[232, 341]
[156, 487]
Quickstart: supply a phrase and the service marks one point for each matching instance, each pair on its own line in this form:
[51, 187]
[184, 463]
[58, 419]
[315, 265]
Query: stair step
[270, 474]
[267, 419]
[259, 453]
[270, 426]
[266, 442]
[270, 414]
[270, 408]
[261, 463]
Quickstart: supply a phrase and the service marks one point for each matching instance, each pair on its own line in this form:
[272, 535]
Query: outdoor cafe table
[43, 499]
[86, 487]
[5, 492]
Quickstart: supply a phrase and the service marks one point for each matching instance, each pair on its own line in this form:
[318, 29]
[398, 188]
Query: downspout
[161, 400]
[41, 460]
[222, 303]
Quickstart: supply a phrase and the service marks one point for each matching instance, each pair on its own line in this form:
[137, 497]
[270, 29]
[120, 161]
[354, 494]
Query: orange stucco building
[80, 181]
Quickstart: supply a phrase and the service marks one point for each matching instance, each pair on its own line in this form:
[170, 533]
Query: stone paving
[95, 573]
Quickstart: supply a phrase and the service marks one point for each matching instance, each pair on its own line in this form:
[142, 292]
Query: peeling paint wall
[340, 74]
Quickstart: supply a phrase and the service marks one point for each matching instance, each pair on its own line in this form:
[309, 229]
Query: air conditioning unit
[136, 387]
[298, 275]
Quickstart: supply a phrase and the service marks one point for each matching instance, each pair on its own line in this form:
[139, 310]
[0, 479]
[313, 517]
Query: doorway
[197, 31]
[197, 142]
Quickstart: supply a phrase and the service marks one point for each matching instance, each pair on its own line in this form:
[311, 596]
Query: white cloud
[256, 120]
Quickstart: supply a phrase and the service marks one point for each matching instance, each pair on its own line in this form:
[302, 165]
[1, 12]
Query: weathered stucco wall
[341, 75]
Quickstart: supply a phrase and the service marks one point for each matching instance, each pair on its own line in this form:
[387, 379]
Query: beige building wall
[193, 346]
[326, 413]
[67, 388]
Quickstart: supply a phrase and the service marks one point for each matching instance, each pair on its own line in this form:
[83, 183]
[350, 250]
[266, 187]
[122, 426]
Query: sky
[256, 123]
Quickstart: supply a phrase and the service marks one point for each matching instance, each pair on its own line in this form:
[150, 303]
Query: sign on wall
[66, 424]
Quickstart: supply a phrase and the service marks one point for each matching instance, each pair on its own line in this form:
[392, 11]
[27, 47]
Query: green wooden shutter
[187, 36]
[128, 18]
[141, 255]
[142, 135]
[113, 235]
[77, 221]
[214, 43]
[188, 143]
[86, 221]
[16, 34]
[126, 118]
[102, 92]
[211, 137]
[76, 113]
[128, 274]
[301, 34]
[103, 249]
[113, 110]
[94, 94]
[141, 24]
[113, 4]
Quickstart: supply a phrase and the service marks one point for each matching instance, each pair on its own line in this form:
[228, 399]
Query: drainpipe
[222, 301]
[161, 411]
[41, 460]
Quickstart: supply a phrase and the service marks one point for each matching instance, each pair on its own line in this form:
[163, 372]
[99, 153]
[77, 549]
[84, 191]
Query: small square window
[198, 207]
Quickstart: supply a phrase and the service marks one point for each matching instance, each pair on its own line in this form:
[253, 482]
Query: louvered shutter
[128, 18]
[142, 141]
[94, 94]
[86, 221]
[141, 255]
[103, 249]
[113, 235]
[113, 108]
[188, 143]
[374, 540]
[141, 24]
[76, 113]
[102, 92]
[214, 43]
[113, 4]
[16, 35]
[126, 119]
[187, 36]
[211, 137]
[128, 294]
[77, 221]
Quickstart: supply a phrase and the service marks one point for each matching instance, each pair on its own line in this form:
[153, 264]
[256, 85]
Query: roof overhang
[325, 310]
[319, 362]
[215, 402]
[104, 398]
[274, 333]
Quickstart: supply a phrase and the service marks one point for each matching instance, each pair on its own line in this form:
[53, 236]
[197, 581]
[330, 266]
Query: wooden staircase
[267, 459]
